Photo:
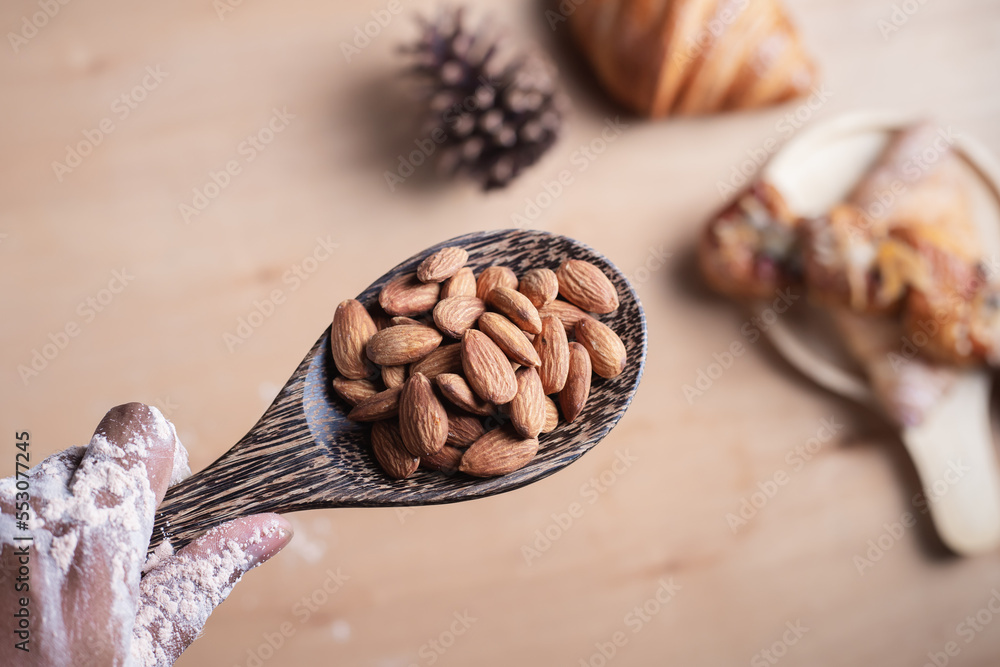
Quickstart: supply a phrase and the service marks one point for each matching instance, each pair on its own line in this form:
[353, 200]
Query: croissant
[688, 57]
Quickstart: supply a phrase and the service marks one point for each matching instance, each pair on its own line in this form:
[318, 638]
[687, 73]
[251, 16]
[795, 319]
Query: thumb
[177, 595]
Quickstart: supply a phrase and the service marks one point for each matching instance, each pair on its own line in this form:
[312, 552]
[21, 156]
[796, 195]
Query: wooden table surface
[199, 78]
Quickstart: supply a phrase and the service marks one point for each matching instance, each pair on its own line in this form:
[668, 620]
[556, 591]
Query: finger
[177, 595]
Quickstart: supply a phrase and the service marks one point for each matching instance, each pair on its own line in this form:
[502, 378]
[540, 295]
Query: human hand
[93, 597]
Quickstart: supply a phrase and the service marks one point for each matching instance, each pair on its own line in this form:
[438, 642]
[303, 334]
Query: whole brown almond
[445, 359]
[393, 376]
[527, 410]
[382, 405]
[402, 344]
[574, 394]
[509, 338]
[486, 368]
[540, 286]
[354, 391]
[463, 430]
[458, 392]
[498, 452]
[607, 351]
[422, 419]
[567, 313]
[516, 307]
[442, 265]
[463, 283]
[456, 314]
[446, 460]
[405, 295]
[551, 416]
[552, 346]
[387, 443]
[494, 276]
[585, 285]
[352, 328]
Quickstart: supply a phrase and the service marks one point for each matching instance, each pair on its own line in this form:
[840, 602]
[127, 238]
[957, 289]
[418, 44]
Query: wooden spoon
[951, 447]
[304, 454]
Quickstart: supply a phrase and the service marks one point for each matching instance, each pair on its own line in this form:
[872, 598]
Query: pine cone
[498, 111]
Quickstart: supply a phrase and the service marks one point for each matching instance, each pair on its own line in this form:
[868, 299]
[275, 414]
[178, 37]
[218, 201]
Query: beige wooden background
[160, 339]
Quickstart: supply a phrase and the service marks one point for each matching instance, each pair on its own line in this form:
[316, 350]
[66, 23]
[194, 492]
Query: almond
[354, 391]
[454, 315]
[382, 405]
[487, 369]
[393, 376]
[498, 452]
[607, 351]
[352, 328]
[509, 338]
[458, 392]
[540, 286]
[463, 430]
[516, 307]
[422, 419]
[446, 460]
[442, 265]
[402, 344]
[567, 313]
[445, 359]
[527, 410]
[585, 285]
[551, 416]
[405, 295]
[494, 276]
[390, 452]
[399, 319]
[552, 346]
[463, 283]
[574, 394]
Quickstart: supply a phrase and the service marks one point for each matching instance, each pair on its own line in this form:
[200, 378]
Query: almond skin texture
[541, 286]
[382, 405]
[446, 460]
[574, 394]
[455, 315]
[390, 452]
[527, 410]
[552, 346]
[583, 284]
[607, 351]
[458, 392]
[551, 416]
[399, 319]
[463, 283]
[509, 338]
[567, 313]
[352, 328]
[463, 430]
[422, 419]
[405, 295]
[402, 344]
[516, 307]
[354, 391]
[442, 265]
[445, 359]
[486, 368]
[494, 276]
[498, 452]
[393, 376]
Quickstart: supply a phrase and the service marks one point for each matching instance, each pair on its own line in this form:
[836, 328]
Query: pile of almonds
[493, 348]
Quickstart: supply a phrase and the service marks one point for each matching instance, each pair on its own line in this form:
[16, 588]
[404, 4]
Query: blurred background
[652, 572]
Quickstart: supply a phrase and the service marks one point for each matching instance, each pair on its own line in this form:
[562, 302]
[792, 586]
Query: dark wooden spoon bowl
[304, 454]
